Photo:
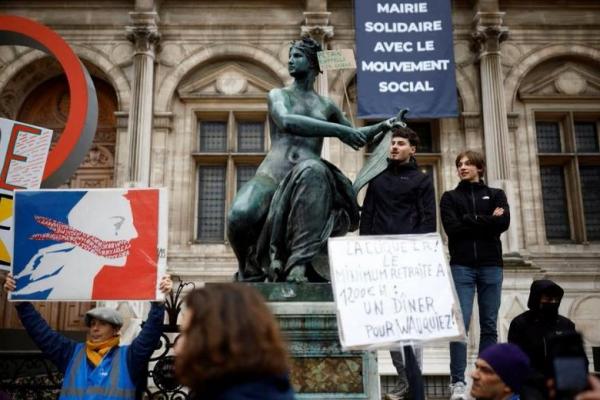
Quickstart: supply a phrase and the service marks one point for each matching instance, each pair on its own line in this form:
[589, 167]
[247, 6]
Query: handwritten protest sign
[100, 244]
[23, 152]
[336, 59]
[391, 289]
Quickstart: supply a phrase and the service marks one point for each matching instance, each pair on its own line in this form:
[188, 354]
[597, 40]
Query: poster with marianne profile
[23, 153]
[393, 290]
[96, 244]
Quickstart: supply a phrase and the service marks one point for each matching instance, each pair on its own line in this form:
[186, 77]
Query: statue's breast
[310, 106]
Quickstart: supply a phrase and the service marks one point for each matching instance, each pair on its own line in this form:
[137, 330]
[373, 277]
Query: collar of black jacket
[466, 185]
[396, 166]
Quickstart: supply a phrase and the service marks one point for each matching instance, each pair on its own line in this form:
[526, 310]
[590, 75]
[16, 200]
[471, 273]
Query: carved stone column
[488, 34]
[144, 35]
[316, 25]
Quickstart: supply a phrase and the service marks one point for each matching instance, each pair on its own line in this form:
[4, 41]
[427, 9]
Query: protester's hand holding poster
[100, 244]
[391, 289]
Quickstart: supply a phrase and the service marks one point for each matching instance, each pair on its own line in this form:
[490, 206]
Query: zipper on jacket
[474, 213]
[545, 349]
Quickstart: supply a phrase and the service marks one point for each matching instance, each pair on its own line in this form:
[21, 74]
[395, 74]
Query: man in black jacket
[401, 200]
[532, 329]
[474, 215]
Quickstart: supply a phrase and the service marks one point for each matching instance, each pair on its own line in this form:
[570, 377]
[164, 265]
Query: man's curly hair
[310, 48]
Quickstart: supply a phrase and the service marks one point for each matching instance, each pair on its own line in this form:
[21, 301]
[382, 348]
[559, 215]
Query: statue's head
[310, 48]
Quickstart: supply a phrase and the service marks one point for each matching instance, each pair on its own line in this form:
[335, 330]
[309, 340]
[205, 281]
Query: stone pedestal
[320, 368]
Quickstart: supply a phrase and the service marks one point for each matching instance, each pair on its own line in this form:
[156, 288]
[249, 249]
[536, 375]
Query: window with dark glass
[230, 147]
[569, 157]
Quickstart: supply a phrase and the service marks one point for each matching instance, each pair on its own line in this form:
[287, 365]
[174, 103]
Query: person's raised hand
[9, 283]
[593, 393]
[166, 284]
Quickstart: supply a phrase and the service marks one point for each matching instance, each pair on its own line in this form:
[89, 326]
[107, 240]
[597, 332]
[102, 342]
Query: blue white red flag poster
[97, 244]
[23, 153]
[405, 58]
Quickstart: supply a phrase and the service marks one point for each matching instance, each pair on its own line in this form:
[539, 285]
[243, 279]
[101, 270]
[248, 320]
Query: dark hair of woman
[231, 335]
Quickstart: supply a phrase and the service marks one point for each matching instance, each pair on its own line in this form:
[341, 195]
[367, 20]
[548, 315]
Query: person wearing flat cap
[500, 372]
[99, 368]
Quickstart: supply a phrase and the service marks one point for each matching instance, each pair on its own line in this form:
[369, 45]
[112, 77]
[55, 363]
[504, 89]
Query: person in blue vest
[99, 368]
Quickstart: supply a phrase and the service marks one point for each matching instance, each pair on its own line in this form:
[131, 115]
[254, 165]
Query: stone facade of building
[184, 85]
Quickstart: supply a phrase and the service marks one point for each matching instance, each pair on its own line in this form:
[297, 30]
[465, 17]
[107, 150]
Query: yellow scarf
[96, 350]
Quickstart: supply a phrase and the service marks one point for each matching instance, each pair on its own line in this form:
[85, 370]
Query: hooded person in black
[532, 329]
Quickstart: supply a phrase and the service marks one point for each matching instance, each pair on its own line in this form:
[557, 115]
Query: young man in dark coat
[474, 215]
[401, 200]
[532, 329]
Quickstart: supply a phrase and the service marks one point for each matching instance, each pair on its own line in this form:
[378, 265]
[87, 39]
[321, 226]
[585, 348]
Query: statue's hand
[353, 138]
[398, 120]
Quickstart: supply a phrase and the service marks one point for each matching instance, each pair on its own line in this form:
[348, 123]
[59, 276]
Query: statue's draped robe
[313, 202]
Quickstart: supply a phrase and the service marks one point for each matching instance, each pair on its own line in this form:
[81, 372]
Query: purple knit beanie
[509, 362]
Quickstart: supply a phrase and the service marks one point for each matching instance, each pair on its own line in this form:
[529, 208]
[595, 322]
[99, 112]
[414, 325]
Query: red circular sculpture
[80, 128]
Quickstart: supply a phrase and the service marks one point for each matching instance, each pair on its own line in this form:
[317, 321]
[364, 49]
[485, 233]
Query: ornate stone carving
[488, 33]
[316, 25]
[231, 82]
[98, 157]
[570, 79]
[328, 374]
[570, 82]
[144, 32]
[471, 120]
[231, 79]
[513, 121]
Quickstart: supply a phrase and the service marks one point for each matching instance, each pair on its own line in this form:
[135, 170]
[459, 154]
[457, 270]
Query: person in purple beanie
[500, 372]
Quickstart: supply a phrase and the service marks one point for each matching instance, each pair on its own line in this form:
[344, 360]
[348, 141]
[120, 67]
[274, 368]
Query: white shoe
[458, 391]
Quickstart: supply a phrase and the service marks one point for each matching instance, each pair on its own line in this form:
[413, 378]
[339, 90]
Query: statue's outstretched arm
[372, 131]
[303, 125]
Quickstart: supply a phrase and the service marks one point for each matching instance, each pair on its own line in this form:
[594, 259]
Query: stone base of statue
[320, 368]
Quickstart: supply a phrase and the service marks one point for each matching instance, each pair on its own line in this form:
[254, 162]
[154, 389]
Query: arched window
[228, 106]
[563, 97]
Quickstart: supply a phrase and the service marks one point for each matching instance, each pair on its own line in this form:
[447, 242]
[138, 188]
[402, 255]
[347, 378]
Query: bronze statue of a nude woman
[281, 218]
